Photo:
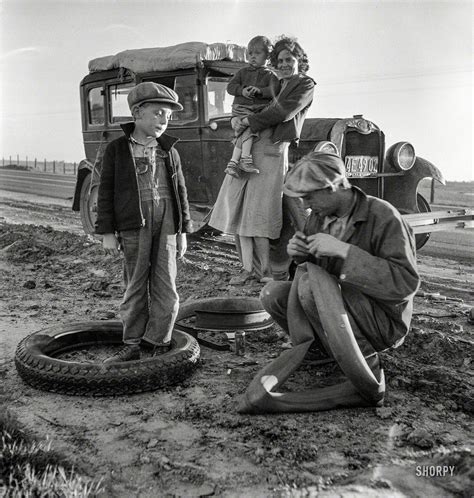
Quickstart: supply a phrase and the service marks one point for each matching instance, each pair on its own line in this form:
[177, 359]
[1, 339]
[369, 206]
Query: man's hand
[297, 246]
[110, 244]
[323, 244]
[181, 244]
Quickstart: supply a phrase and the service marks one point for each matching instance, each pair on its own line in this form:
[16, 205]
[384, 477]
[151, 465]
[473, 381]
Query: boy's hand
[248, 92]
[255, 91]
[181, 244]
[110, 244]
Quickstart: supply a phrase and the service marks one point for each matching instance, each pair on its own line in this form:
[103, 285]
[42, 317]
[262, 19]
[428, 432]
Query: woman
[251, 206]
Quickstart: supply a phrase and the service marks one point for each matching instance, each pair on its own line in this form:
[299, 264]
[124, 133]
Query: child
[143, 210]
[253, 86]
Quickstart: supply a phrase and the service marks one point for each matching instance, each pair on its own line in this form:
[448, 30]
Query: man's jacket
[118, 204]
[381, 263]
[287, 112]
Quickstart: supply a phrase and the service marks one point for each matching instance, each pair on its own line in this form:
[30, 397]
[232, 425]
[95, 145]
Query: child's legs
[134, 307]
[246, 139]
[164, 300]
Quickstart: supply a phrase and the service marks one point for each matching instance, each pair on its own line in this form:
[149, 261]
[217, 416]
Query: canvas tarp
[180, 56]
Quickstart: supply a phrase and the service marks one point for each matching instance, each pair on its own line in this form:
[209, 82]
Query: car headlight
[402, 155]
[326, 146]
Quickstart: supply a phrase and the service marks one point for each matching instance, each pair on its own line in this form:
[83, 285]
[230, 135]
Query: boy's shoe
[128, 352]
[246, 164]
[232, 169]
[160, 349]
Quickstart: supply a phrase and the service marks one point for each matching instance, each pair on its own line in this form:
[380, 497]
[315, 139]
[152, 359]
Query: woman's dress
[251, 206]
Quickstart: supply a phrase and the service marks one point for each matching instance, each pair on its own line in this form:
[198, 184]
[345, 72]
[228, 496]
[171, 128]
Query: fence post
[3, 161]
[17, 160]
[10, 161]
[45, 165]
[54, 166]
[26, 162]
[74, 168]
[35, 163]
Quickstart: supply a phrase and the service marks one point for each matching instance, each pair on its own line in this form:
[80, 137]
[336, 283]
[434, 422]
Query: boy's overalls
[150, 304]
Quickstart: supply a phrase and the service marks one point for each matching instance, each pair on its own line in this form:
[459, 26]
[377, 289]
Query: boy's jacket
[118, 203]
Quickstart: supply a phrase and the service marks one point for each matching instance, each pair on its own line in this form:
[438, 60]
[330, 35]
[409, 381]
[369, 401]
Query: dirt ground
[189, 440]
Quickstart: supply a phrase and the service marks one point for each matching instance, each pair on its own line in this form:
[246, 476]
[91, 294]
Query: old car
[199, 73]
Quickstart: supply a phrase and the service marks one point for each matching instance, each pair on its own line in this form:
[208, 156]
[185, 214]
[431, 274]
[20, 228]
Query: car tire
[423, 207]
[88, 204]
[37, 365]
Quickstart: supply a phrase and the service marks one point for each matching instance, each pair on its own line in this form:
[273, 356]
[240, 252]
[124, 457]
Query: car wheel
[88, 204]
[37, 362]
[423, 207]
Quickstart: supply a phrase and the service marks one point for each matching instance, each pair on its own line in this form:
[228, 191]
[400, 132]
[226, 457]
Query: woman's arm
[285, 107]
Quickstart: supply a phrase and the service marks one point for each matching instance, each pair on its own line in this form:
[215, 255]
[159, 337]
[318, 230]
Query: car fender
[401, 190]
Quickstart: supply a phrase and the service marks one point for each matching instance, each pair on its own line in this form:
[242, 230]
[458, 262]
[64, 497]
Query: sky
[405, 65]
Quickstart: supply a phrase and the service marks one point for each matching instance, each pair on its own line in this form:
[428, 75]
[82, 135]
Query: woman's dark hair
[290, 44]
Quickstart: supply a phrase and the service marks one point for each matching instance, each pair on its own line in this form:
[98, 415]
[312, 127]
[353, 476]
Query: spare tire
[36, 362]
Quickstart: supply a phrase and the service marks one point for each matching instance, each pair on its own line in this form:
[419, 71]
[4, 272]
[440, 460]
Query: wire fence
[35, 164]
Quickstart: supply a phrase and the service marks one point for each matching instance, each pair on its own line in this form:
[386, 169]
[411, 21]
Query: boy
[253, 86]
[143, 210]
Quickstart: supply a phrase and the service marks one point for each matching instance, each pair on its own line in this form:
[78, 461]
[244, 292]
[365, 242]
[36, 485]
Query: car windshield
[219, 102]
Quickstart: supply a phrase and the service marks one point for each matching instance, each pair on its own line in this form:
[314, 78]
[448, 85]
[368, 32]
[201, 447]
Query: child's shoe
[232, 169]
[128, 352]
[246, 164]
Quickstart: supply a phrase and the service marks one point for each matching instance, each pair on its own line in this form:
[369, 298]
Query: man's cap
[315, 171]
[153, 92]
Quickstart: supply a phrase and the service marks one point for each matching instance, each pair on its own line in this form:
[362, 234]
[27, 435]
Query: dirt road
[188, 440]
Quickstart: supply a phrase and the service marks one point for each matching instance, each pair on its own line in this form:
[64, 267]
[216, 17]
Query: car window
[119, 110]
[95, 106]
[219, 102]
[185, 87]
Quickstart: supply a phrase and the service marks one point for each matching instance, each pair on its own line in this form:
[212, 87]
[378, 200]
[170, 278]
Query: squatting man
[351, 297]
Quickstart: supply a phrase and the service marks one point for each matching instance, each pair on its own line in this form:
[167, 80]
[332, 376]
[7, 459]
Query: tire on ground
[36, 363]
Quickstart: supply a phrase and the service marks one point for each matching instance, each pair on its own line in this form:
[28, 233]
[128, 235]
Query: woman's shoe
[266, 278]
[241, 278]
[246, 164]
[232, 169]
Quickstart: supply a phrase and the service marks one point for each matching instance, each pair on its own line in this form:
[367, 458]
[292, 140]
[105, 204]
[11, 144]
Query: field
[188, 440]
[451, 194]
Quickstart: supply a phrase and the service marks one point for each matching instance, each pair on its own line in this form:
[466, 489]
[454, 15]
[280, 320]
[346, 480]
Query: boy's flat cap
[153, 92]
[315, 171]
